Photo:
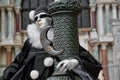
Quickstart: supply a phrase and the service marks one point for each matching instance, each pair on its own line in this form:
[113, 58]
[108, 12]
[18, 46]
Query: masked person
[30, 63]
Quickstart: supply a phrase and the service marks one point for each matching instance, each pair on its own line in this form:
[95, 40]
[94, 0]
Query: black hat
[41, 9]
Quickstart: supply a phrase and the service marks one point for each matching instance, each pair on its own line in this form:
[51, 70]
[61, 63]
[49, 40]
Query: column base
[7, 42]
[10, 40]
[109, 34]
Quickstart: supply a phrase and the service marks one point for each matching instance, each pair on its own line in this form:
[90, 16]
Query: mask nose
[38, 19]
[39, 23]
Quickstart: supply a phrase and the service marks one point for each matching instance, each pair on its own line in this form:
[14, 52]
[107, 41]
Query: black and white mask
[42, 19]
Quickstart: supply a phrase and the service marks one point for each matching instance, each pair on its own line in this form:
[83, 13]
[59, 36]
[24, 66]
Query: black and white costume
[31, 59]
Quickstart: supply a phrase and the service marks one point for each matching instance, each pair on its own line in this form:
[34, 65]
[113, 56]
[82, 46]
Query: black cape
[29, 59]
[32, 59]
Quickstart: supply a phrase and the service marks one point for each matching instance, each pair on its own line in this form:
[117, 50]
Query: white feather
[34, 35]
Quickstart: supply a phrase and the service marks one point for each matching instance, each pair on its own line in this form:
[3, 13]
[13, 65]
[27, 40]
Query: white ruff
[34, 35]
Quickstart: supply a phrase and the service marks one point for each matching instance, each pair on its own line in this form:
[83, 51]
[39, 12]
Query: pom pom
[31, 15]
[48, 61]
[34, 74]
[57, 0]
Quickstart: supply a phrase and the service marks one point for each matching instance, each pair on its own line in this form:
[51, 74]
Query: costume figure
[32, 58]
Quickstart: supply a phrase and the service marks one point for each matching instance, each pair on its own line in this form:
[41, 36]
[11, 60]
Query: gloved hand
[65, 65]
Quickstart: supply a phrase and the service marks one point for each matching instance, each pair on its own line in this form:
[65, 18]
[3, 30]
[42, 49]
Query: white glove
[65, 65]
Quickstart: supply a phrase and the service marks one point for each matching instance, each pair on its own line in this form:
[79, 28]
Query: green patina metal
[64, 13]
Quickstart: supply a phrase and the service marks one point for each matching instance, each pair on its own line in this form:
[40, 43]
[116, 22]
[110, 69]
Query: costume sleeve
[89, 63]
[17, 63]
[12, 68]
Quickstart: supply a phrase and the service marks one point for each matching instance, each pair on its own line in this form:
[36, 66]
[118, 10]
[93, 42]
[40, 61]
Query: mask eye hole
[36, 18]
[44, 15]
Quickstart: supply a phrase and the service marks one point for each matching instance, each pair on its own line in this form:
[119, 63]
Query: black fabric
[25, 62]
[34, 62]
[89, 63]
[10, 71]
[32, 59]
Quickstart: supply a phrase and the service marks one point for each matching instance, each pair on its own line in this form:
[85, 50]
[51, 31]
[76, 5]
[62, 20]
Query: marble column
[8, 2]
[18, 38]
[114, 10]
[9, 54]
[104, 60]
[17, 11]
[10, 24]
[95, 51]
[100, 19]
[107, 18]
[12, 2]
[119, 11]
[93, 16]
[3, 25]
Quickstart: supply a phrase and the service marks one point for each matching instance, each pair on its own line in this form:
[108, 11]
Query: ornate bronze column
[65, 13]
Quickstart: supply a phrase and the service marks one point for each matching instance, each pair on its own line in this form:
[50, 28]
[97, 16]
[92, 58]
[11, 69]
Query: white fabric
[34, 35]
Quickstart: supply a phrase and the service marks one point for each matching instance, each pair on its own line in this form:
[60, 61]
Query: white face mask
[42, 20]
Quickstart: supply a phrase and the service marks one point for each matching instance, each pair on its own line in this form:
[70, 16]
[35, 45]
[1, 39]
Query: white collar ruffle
[34, 35]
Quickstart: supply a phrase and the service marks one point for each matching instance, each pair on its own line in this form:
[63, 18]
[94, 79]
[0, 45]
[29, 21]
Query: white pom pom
[48, 61]
[57, 0]
[34, 74]
[31, 14]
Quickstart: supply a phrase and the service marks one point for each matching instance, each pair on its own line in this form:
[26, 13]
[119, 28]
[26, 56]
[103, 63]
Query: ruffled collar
[34, 36]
